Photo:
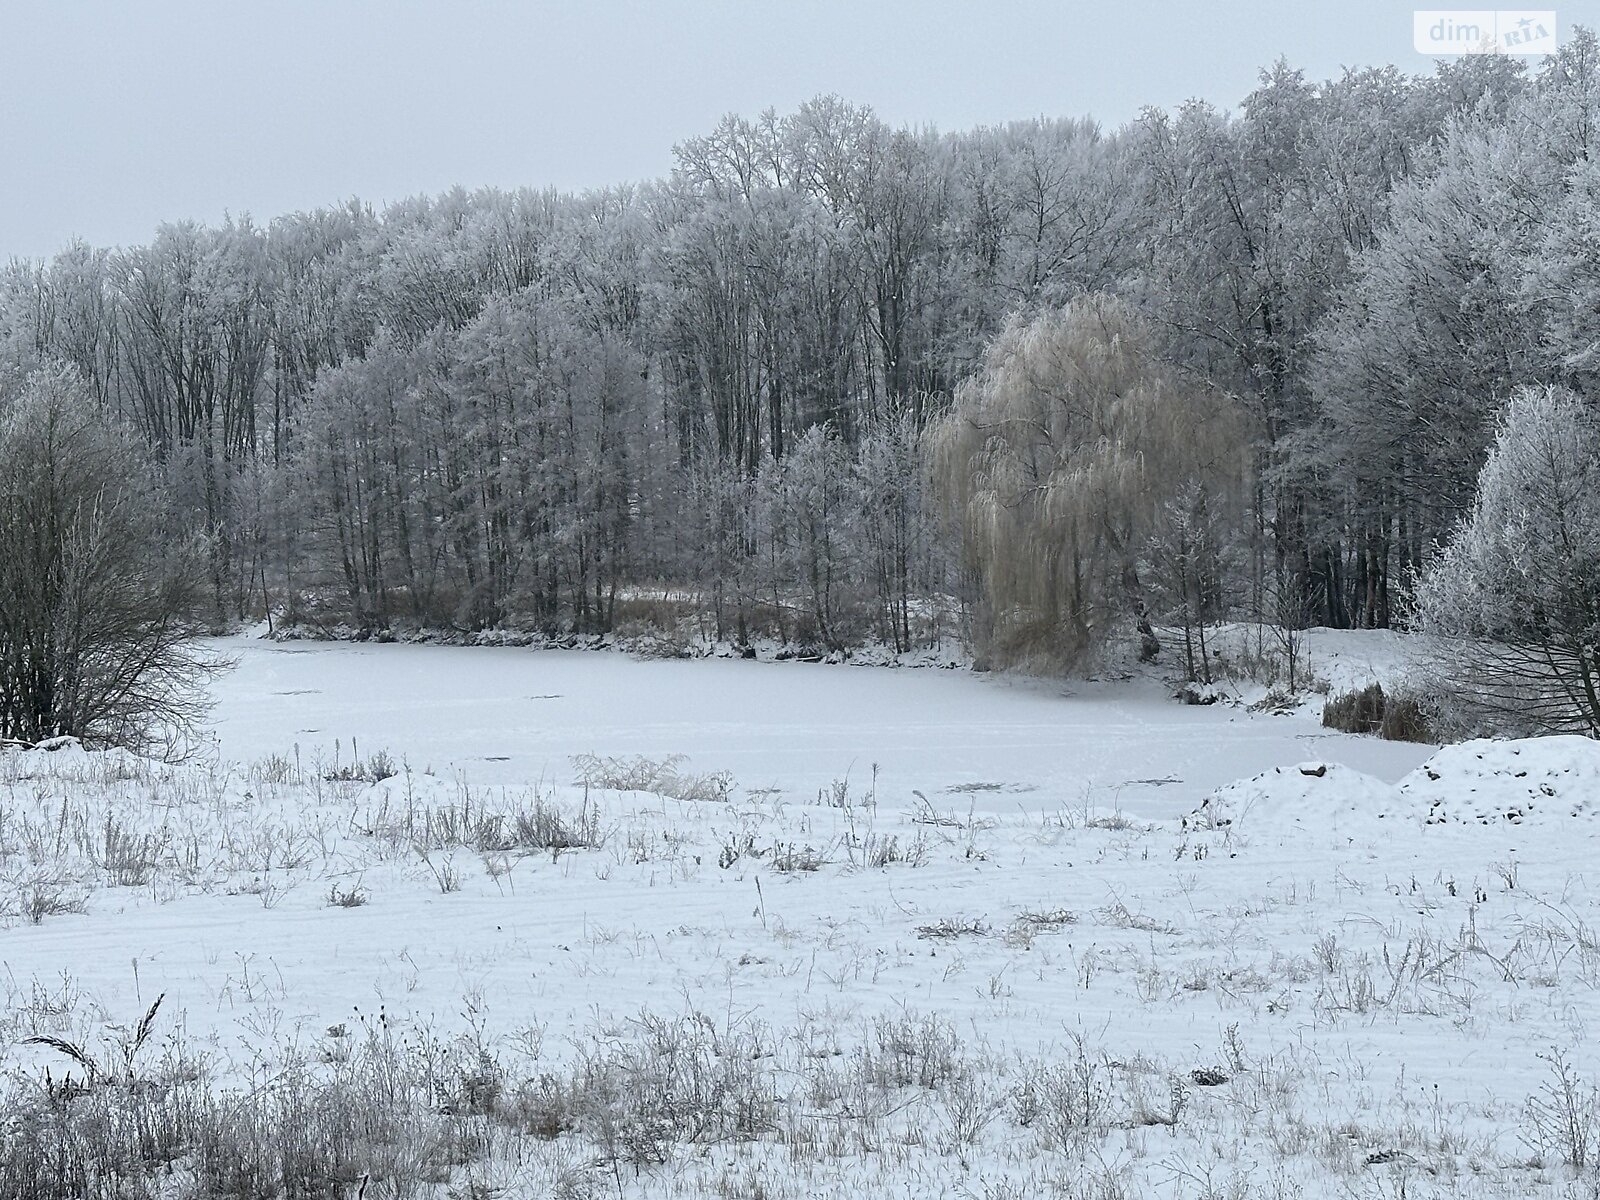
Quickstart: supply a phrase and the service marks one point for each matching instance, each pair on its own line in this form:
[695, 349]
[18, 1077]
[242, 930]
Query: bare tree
[99, 599]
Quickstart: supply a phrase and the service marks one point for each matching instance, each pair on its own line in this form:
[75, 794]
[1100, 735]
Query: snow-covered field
[878, 932]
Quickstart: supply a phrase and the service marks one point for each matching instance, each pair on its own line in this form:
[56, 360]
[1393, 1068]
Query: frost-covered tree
[1475, 285]
[896, 533]
[1516, 591]
[1056, 464]
[1249, 227]
[195, 346]
[1189, 554]
[492, 408]
[1565, 278]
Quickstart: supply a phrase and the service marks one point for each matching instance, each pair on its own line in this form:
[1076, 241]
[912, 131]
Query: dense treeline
[532, 409]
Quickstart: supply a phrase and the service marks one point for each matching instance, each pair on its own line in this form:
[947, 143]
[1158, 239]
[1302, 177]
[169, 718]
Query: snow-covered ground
[1310, 965]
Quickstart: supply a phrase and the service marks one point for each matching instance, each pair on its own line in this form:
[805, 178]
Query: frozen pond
[507, 716]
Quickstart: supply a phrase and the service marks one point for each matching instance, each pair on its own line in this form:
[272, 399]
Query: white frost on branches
[1518, 585]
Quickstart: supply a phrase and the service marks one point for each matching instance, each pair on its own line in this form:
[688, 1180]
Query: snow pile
[1312, 795]
[1491, 782]
[1533, 780]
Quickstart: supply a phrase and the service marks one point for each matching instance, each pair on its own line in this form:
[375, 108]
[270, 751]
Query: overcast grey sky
[115, 116]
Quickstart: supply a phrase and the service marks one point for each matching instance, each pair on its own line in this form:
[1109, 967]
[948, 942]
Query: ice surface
[506, 715]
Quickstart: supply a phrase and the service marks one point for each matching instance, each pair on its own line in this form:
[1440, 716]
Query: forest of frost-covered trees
[786, 392]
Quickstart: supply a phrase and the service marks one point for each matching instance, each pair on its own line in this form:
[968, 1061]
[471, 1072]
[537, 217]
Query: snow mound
[68, 756]
[1552, 780]
[1508, 782]
[1310, 796]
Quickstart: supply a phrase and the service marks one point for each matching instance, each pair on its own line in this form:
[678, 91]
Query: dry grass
[660, 776]
[1397, 717]
[691, 1105]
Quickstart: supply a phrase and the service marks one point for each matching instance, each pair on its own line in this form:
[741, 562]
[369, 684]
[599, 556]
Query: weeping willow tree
[1058, 464]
